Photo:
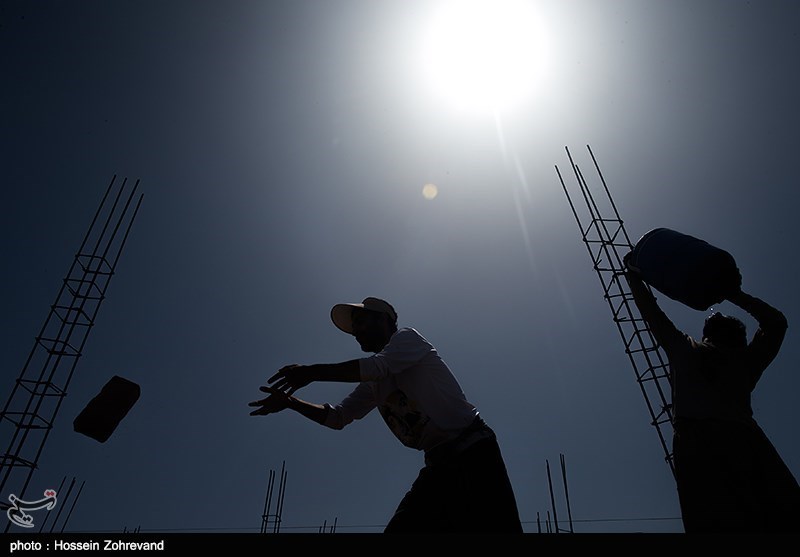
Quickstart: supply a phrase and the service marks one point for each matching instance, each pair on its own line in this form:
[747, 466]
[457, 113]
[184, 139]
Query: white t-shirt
[413, 389]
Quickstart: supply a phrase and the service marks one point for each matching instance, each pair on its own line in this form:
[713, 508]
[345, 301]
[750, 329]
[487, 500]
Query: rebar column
[31, 409]
[603, 232]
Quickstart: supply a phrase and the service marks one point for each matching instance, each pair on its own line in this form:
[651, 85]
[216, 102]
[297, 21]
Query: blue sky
[282, 149]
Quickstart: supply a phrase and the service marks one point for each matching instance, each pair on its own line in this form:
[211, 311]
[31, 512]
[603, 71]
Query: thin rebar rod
[608, 192]
[72, 508]
[281, 494]
[61, 497]
[267, 501]
[130, 225]
[552, 497]
[566, 491]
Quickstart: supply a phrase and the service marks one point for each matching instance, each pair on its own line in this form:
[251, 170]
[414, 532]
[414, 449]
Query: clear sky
[283, 148]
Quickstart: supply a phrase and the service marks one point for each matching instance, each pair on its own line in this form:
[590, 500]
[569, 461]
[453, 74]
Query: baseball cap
[341, 313]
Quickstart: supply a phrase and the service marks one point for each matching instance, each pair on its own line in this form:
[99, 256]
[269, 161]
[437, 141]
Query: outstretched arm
[355, 406]
[295, 376]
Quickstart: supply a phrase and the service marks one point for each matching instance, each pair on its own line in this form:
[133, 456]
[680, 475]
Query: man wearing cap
[464, 476]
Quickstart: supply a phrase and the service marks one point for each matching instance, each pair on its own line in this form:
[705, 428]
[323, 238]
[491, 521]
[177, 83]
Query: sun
[483, 54]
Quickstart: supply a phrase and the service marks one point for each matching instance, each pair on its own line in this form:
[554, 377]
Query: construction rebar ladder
[607, 241]
[29, 414]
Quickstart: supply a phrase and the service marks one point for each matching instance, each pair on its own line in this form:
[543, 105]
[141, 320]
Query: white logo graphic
[16, 513]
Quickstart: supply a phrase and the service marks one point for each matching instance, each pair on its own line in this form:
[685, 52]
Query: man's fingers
[275, 402]
[278, 379]
[281, 373]
[276, 391]
[282, 386]
[271, 389]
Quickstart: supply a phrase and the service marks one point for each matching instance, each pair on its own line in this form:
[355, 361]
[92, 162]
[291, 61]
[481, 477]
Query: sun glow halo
[483, 54]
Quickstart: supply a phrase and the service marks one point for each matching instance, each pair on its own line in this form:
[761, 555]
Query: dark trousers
[732, 480]
[468, 492]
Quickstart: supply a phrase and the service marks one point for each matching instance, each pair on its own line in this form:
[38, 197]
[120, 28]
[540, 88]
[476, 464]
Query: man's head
[372, 322]
[725, 330]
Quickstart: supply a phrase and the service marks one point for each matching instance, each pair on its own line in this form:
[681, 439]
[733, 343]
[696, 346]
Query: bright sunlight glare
[483, 55]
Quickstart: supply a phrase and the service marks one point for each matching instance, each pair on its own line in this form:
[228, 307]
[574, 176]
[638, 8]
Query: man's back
[710, 382]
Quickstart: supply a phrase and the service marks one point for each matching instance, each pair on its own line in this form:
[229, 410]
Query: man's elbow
[780, 323]
[333, 418]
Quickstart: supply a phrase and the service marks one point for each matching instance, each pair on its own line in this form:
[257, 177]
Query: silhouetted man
[730, 478]
[464, 485]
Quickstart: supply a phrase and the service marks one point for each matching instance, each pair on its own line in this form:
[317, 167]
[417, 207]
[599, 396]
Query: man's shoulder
[409, 334]
[406, 333]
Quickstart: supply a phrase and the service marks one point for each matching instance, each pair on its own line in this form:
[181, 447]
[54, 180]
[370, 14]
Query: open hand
[275, 402]
[292, 377]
